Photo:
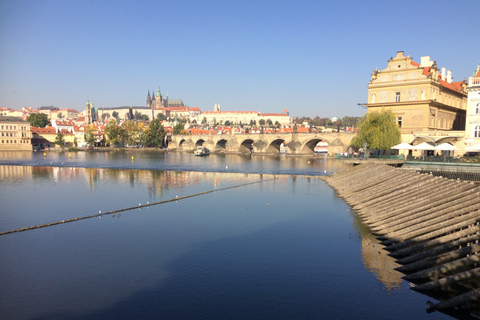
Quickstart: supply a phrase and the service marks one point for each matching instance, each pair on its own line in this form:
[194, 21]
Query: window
[399, 121]
[397, 96]
[476, 133]
[477, 108]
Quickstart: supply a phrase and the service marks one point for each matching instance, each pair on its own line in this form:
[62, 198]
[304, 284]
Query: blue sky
[312, 57]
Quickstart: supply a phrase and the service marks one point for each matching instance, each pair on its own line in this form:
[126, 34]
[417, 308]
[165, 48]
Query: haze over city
[313, 58]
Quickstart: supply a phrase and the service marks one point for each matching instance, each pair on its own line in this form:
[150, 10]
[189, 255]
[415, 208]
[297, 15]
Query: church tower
[158, 99]
[149, 100]
[88, 113]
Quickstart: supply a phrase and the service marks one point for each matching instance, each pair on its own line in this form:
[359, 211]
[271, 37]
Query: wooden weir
[431, 225]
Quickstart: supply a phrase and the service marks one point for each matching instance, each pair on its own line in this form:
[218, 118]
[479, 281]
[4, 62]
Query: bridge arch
[246, 146]
[274, 146]
[199, 143]
[309, 146]
[181, 143]
[221, 145]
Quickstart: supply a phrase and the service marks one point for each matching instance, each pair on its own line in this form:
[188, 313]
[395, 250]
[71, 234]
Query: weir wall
[430, 224]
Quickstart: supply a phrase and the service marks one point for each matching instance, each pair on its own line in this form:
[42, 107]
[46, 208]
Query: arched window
[476, 133]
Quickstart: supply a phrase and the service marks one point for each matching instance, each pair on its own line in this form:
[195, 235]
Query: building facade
[472, 126]
[428, 105]
[15, 134]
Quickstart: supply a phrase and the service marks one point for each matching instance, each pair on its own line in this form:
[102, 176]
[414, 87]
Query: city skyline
[313, 58]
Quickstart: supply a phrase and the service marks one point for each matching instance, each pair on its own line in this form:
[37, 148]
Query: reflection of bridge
[296, 143]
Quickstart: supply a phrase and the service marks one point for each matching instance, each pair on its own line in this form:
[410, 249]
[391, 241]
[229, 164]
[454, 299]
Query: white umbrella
[473, 148]
[423, 146]
[402, 146]
[445, 146]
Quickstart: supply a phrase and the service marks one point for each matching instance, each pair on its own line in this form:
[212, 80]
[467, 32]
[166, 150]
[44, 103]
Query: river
[261, 237]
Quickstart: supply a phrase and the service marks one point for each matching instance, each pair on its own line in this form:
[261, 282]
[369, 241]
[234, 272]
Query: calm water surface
[280, 245]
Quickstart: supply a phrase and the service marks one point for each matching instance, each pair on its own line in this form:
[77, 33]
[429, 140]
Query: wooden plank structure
[431, 225]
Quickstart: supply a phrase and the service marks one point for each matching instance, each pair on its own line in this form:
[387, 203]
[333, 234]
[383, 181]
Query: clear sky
[314, 58]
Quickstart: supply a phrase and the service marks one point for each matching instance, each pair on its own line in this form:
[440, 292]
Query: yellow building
[472, 126]
[15, 134]
[428, 105]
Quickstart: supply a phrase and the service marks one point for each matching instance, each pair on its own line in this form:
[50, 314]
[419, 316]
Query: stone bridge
[296, 143]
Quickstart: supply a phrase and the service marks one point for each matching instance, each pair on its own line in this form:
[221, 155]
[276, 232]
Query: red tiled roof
[219, 112]
[415, 64]
[273, 114]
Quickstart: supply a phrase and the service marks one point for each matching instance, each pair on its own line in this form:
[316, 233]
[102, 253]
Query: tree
[261, 122]
[269, 122]
[131, 132]
[204, 120]
[156, 133]
[178, 128]
[115, 115]
[39, 120]
[114, 133]
[90, 135]
[105, 116]
[59, 115]
[59, 140]
[378, 130]
[160, 116]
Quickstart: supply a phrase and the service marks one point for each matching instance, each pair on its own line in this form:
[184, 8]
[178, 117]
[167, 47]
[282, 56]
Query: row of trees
[132, 132]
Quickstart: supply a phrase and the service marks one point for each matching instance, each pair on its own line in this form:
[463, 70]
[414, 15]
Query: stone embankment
[429, 224]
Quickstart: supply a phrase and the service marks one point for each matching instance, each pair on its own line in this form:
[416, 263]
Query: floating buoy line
[100, 214]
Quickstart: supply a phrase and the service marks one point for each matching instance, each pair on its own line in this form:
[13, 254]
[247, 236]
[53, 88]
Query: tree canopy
[155, 133]
[59, 139]
[178, 128]
[114, 133]
[378, 130]
[39, 120]
[91, 135]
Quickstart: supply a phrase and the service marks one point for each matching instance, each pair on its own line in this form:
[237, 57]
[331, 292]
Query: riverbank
[430, 224]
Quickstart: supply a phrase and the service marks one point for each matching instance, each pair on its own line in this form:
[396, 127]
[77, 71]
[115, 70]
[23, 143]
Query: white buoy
[100, 212]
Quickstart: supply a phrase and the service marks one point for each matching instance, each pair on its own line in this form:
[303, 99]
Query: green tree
[39, 120]
[277, 124]
[156, 133]
[160, 116]
[59, 139]
[204, 120]
[178, 128]
[90, 135]
[261, 122]
[59, 115]
[115, 115]
[114, 133]
[105, 116]
[131, 132]
[378, 130]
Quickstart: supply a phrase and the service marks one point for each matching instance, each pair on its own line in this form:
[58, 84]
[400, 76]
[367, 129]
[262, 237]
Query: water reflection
[156, 160]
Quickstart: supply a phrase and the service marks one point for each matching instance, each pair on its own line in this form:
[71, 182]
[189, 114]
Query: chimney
[444, 73]
[425, 62]
[449, 76]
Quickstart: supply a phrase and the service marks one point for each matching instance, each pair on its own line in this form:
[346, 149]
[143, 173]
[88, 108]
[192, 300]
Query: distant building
[48, 110]
[472, 125]
[15, 134]
[243, 117]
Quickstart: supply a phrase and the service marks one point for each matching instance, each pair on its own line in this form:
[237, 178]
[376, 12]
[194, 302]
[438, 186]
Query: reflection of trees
[376, 259]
